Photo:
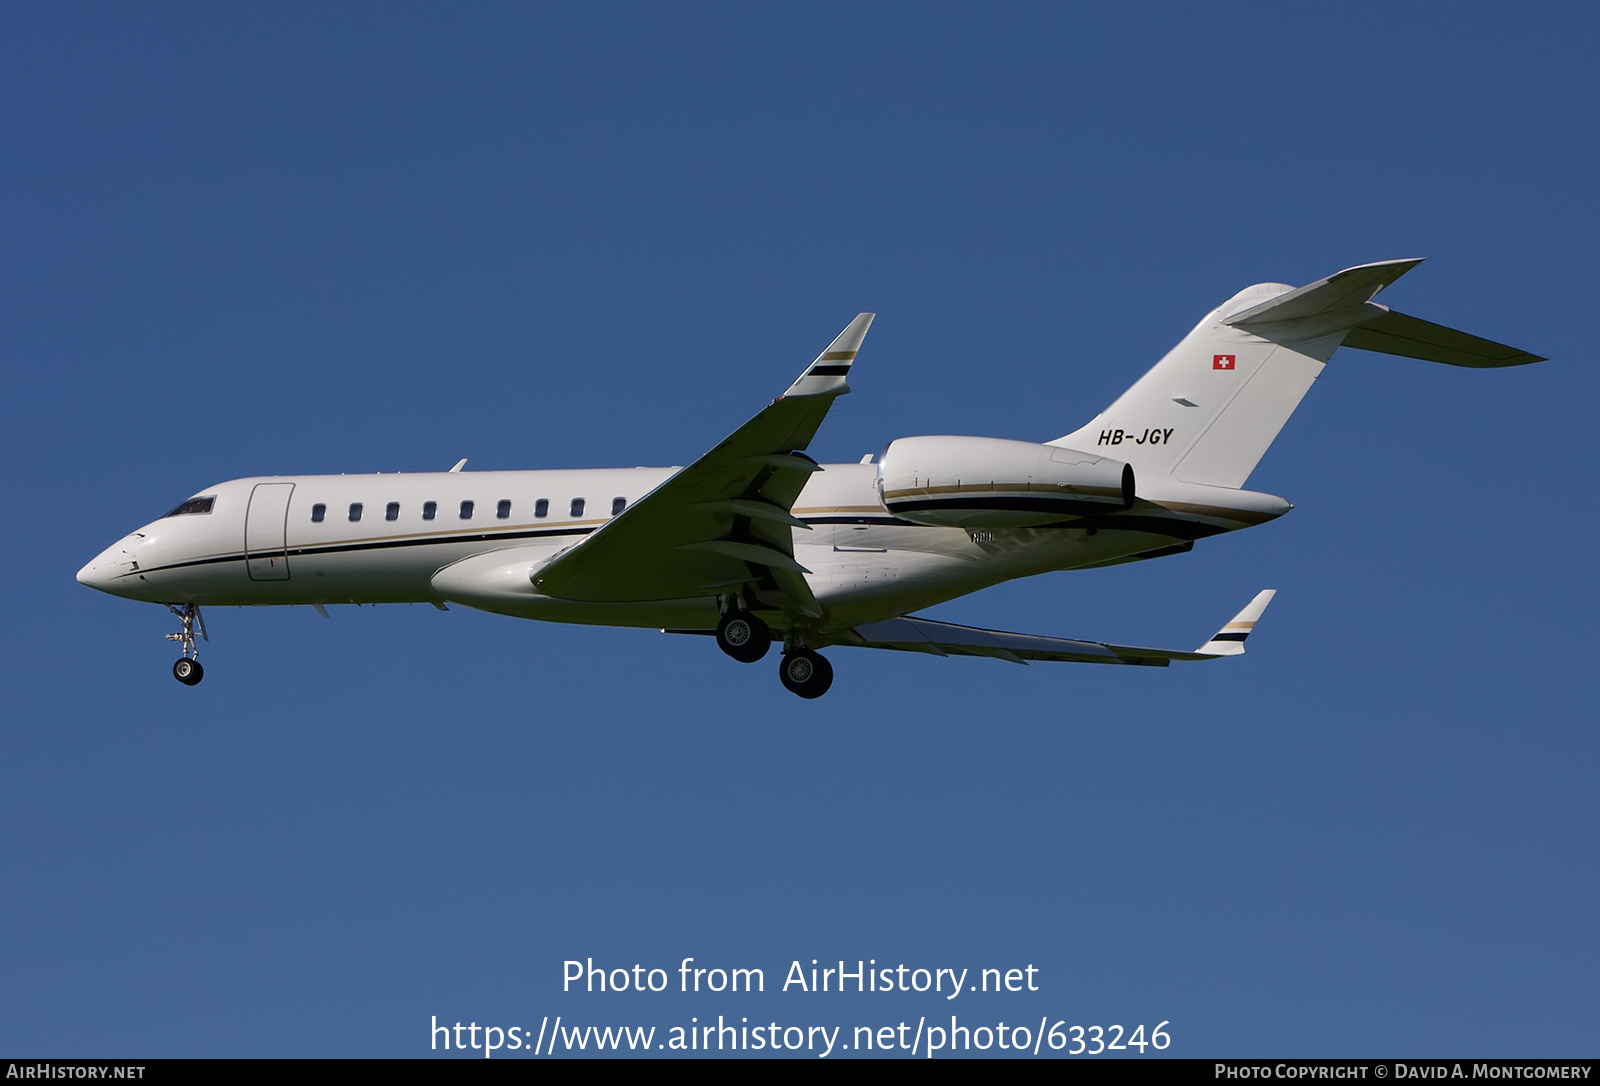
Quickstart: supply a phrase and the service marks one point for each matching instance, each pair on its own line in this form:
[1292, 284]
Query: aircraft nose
[105, 568]
[96, 574]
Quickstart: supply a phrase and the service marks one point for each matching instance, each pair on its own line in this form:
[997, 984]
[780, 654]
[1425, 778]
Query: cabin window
[466, 510]
[577, 507]
[355, 512]
[193, 505]
[541, 508]
[318, 511]
[503, 510]
[618, 505]
[392, 511]
[429, 509]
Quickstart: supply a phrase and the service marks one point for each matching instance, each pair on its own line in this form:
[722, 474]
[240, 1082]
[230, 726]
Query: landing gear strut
[743, 636]
[187, 669]
[805, 673]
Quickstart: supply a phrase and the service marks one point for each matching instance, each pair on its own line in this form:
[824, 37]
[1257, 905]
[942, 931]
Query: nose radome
[98, 573]
[105, 567]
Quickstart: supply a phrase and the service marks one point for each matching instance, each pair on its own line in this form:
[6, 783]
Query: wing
[947, 639]
[722, 524]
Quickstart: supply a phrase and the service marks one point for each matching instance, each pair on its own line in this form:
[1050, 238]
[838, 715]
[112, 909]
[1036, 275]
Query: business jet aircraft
[756, 540]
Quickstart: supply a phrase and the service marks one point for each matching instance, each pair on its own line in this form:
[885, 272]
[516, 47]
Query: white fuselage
[476, 538]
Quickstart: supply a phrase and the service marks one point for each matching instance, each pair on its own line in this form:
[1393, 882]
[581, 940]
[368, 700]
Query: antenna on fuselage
[459, 465]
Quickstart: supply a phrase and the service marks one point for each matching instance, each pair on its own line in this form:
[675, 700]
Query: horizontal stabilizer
[1395, 333]
[1340, 291]
[948, 639]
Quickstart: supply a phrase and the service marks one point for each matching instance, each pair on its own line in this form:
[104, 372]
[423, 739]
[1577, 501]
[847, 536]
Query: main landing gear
[746, 638]
[805, 673]
[743, 636]
[187, 669]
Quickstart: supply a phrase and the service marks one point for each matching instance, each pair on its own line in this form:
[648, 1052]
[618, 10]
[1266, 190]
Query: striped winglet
[1229, 641]
[826, 376]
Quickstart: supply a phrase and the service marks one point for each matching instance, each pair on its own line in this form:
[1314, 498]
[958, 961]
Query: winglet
[1229, 641]
[826, 376]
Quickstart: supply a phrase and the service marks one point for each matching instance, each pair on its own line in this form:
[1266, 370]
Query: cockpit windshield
[193, 505]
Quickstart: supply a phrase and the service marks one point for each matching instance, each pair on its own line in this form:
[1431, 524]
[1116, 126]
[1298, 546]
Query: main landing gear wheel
[743, 636]
[805, 673]
[188, 671]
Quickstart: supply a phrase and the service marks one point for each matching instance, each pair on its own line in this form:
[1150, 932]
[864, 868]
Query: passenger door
[265, 531]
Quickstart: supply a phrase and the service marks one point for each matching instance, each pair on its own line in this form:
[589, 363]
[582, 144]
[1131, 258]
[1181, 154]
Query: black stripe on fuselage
[1059, 506]
[1171, 527]
[375, 545]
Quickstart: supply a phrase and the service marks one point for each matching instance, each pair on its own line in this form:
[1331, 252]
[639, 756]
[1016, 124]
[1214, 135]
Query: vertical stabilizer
[1207, 412]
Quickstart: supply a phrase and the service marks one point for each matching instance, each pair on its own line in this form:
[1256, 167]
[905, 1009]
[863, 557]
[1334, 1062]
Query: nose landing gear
[187, 669]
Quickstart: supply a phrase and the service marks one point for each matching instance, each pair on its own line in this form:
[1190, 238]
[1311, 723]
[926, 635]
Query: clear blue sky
[249, 239]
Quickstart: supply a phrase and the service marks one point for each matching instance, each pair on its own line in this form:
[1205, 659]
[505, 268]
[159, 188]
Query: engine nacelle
[989, 482]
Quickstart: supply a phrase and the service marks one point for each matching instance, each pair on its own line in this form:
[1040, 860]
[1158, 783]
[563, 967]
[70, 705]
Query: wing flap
[753, 553]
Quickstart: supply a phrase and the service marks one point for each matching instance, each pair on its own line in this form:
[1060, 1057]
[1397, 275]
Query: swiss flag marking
[1222, 361]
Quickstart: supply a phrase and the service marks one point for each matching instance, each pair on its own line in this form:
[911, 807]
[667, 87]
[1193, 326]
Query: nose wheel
[187, 669]
[743, 636]
[805, 673]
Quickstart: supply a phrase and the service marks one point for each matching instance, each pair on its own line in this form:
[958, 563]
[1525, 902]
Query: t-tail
[1207, 412]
